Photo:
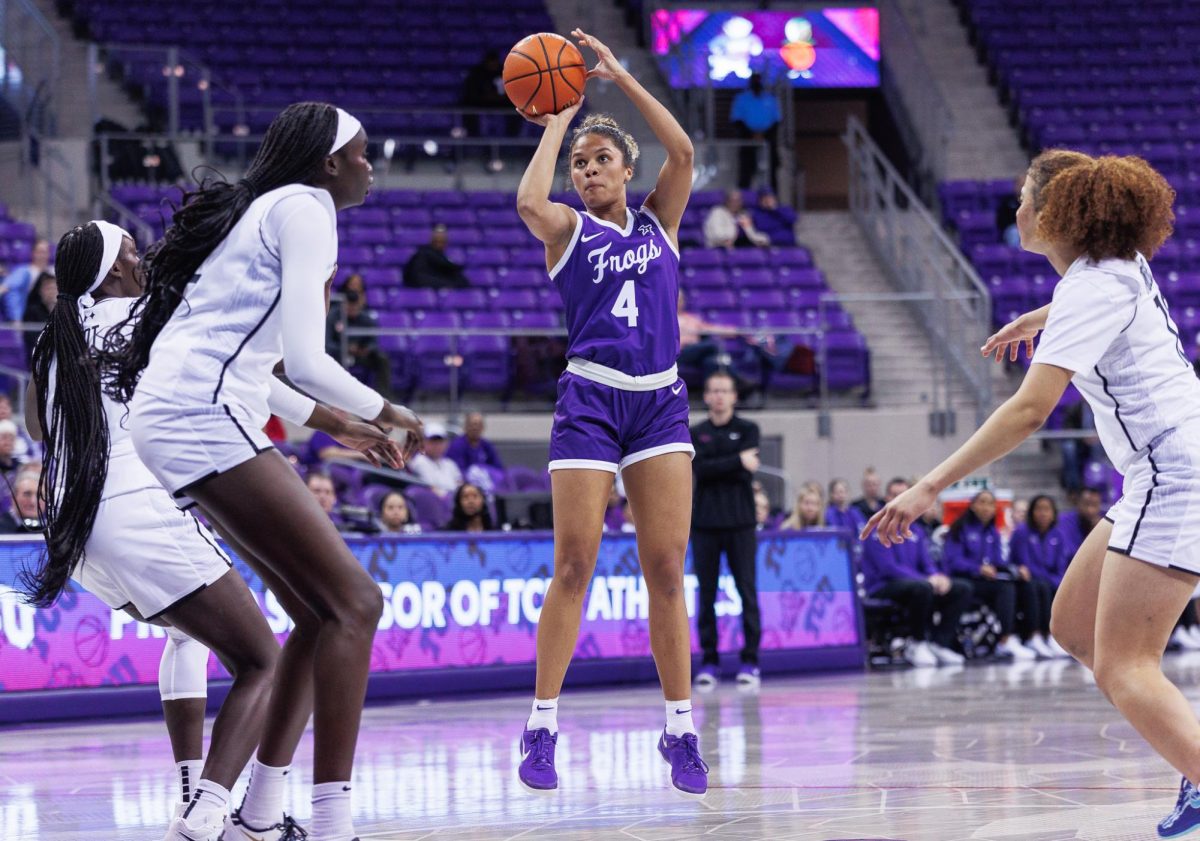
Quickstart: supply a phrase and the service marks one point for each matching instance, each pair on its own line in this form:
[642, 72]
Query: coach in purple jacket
[906, 575]
[1038, 553]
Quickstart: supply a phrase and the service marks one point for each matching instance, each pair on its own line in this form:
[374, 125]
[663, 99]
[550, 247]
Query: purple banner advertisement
[452, 605]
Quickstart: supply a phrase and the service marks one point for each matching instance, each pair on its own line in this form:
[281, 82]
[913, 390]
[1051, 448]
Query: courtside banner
[450, 603]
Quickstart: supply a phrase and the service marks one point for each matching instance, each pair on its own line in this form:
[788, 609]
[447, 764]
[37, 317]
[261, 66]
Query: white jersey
[126, 472]
[259, 297]
[1109, 325]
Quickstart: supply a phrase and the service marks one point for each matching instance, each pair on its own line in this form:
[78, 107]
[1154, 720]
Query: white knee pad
[183, 670]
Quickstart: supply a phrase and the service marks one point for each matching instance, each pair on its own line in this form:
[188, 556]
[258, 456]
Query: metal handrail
[918, 256]
[143, 233]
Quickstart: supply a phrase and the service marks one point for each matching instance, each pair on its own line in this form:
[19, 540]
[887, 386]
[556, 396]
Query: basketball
[544, 73]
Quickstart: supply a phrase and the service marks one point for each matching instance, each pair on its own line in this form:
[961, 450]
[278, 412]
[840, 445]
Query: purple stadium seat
[431, 510]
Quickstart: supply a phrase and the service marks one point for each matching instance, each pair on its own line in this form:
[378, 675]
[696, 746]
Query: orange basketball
[544, 73]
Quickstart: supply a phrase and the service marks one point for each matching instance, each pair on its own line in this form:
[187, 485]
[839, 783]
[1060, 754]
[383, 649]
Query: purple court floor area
[1029, 752]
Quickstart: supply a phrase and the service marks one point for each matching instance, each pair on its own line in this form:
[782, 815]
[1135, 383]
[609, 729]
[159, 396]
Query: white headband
[347, 126]
[113, 236]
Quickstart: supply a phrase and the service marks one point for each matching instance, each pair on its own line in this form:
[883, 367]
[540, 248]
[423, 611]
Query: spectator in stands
[24, 448]
[471, 448]
[321, 486]
[24, 514]
[484, 88]
[434, 467]
[728, 225]
[14, 290]
[1078, 524]
[839, 514]
[470, 510]
[363, 351]
[972, 553]
[808, 513]
[697, 347]
[869, 502]
[42, 299]
[395, 517]
[1037, 553]
[9, 461]
[762, 509]
[777, 222]
[907, 575]
[430, 268]
[756, 115]
[1006, 214]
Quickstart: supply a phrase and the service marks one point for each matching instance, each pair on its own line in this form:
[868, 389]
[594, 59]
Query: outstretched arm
[1015, 420]
[674, 185]
[551, 222]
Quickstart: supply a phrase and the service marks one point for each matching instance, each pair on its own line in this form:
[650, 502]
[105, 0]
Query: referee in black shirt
[723, 521]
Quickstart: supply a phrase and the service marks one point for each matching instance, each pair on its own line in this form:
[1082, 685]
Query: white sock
[679, 717]
[262, 807]
[544, 714]
[209, 798]
[331, 812]
[189, 777]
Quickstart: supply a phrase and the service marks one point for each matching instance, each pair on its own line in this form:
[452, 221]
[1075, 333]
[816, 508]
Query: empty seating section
[761, 290]
[405, 55]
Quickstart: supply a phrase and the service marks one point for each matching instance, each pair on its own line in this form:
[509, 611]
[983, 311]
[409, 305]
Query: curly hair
[606, 126]
[1048, 164]
[1109, 208]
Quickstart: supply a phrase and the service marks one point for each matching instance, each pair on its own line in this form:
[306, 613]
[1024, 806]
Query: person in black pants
[725, 463]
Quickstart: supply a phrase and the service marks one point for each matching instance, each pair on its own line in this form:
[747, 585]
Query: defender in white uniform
[1109, 331]
[237, 284]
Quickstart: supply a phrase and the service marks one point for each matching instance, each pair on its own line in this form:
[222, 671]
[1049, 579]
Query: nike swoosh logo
[545, 708]
[681, 712]
[675, 389]
[345, 788]
[592, 237]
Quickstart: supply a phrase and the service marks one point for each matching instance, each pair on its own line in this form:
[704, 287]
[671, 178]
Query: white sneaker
[206, 827]
[1184, 640]
[1017, 651]
[1040, 647]
[920, 654]
[946, 656]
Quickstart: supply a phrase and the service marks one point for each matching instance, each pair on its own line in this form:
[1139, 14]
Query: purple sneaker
[707, 676]
[749, 675]
[537, 772]
[689, 773]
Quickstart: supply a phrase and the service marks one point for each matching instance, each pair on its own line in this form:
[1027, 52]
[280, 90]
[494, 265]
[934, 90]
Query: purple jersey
[620, 290]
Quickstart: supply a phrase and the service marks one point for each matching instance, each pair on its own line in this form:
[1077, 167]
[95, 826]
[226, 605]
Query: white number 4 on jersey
[626, 305]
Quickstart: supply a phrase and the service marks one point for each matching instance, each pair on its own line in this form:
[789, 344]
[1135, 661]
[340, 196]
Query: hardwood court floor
[999, 753]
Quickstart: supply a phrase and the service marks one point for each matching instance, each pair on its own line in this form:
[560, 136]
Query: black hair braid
[292, 151]
[75, 465]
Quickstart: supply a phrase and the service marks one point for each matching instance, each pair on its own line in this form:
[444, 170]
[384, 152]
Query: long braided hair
[295, 145]
[73, 422]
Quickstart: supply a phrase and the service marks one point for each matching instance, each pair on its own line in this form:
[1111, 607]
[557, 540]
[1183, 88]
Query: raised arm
[674, 186]
[551, 222]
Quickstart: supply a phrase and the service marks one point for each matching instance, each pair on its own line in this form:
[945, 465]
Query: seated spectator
[869, 502]
[24, 513]
[471, 448]
[762, 509]
[807, 514]
[776, 222]
[470, 511]
[430, 268]
[1006, 214]
[972, 553]
[395, 516]
[1037, 552]
[1076, 525]
[906, 574]
[696, 345]
[9, 462]
[321, 486]
[24, 448]
[839, 514]
[434, 467]
[14, 289]
[363, 351]
[42, 299]
[728, 225]
[1018, 513]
